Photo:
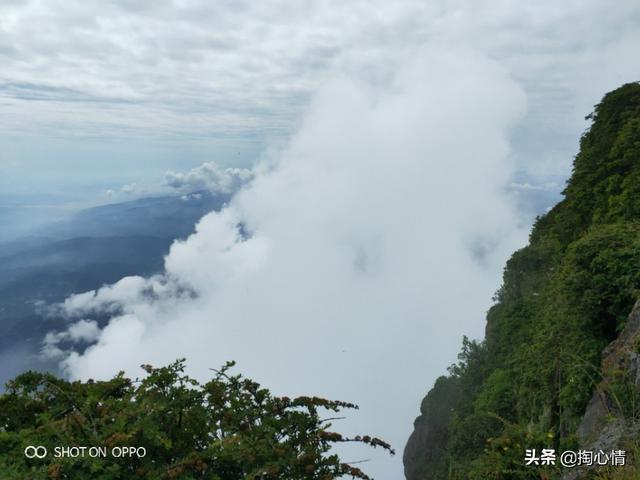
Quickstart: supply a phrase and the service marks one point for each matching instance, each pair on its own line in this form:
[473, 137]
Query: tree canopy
[229, 428]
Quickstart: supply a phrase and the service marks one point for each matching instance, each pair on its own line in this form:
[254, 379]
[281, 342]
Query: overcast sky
[97, 93]
[376, 146]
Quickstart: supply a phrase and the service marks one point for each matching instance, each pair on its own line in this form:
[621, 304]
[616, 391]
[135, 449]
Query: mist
[354, 261]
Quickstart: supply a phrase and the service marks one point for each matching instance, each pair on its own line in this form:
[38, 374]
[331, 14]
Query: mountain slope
[97, 246]
[564, 297]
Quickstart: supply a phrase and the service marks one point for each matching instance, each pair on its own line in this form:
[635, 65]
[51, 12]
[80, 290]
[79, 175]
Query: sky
[377, 149]
[96, 93]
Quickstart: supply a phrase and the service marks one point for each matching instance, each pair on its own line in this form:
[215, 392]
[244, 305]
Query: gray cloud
[114, 92]
[234, 68]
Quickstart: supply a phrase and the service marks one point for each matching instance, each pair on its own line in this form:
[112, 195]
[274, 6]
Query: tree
[229, 428]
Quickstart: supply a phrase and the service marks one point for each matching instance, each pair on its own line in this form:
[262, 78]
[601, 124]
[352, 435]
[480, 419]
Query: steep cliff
[564, 298]
[610, 420]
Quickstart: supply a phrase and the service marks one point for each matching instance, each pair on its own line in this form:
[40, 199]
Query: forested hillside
[564, 298]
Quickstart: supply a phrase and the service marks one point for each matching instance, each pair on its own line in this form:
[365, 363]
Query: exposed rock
[423, 453]
[604, 426]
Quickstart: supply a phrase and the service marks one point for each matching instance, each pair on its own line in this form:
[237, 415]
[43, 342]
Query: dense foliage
[564, 297]
[229, 428]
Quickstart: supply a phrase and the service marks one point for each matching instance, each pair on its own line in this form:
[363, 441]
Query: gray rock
[604, 426]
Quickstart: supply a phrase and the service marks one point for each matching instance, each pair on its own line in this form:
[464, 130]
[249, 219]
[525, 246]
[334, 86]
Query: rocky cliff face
[610, 420]
[426, 445]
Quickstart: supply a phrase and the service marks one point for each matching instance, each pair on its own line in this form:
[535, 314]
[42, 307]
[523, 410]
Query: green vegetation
[564, 297]
[226, 429]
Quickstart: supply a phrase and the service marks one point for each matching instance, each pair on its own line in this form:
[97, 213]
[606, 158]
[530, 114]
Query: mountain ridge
[564, 297]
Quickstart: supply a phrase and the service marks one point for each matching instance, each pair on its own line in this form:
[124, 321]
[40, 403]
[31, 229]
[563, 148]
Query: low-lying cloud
[348, 266]
[209, 177]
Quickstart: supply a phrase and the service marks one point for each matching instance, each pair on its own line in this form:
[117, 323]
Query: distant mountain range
[94, 247]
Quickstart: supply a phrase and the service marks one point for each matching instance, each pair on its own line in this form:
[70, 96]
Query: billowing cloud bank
[367, 249]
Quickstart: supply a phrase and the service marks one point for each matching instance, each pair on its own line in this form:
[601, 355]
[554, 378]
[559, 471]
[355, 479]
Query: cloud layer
[112, 92]
[208, 177]
[355, 260]
[197, 70]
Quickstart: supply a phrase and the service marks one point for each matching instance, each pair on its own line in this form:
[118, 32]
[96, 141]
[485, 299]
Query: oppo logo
[35, 452]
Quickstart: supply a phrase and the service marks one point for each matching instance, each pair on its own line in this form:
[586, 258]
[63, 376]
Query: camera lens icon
[35, 452]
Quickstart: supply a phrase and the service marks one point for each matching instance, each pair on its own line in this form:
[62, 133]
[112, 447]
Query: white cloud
[209, 177]
[356, 272]
[82, 331]
[127, 190]
[529, 186]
